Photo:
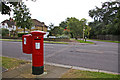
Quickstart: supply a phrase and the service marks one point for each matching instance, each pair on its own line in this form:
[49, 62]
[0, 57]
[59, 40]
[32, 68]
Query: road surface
[102, 56]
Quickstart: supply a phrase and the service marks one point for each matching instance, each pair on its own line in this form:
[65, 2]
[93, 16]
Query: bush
[4, 32]
[63, 37]
[21, 34]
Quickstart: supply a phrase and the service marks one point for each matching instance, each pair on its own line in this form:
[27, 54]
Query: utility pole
[83, 33]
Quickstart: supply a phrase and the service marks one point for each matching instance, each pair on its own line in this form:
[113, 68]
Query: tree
[6, 9]
[50, 28]
[106, 18]
[83, 22]
[87, 31]
[66, 32]
[22, 16]
[60, 32]
[56, 31]
[7, 6]
[63, 24]
[75, 27]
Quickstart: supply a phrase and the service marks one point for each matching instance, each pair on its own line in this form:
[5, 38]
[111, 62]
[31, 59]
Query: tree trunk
[30, 29]
[76, 38]
[42, 28]
[71, 35]
[24, 31]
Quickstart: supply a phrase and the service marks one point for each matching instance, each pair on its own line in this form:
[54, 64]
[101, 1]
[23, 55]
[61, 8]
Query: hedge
[21, 34]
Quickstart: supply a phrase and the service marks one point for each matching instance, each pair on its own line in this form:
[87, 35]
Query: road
[102, 56]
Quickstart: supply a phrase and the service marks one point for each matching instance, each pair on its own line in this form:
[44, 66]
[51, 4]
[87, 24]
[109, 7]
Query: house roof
[35, 22]
[38, 23]
[9, 23]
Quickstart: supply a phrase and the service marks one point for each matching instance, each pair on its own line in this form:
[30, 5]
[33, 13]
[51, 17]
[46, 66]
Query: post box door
[38, 45]
[38, 51]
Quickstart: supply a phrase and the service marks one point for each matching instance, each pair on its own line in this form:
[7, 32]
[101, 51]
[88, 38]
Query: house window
[19, 27]
[32, 27]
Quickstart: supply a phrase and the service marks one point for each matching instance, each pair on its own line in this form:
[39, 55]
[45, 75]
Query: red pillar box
[27, 45]
[38, 53]
[36, 45]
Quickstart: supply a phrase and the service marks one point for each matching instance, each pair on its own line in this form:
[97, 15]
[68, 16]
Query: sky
[55, 11]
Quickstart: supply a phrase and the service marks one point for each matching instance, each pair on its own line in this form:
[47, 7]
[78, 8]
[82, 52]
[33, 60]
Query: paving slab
[10, 74]
[25, 71]
[53, 71]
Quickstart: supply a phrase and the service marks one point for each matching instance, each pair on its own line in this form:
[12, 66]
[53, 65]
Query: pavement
[51, 70]
[4, 69]
[25, 71]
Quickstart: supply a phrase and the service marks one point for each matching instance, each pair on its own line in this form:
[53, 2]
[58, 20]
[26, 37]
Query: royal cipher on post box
[33, 44]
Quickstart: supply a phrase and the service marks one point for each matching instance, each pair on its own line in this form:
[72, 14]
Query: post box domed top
[37, 33]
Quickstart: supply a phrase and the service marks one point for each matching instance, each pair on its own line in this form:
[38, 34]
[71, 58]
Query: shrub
[21, 34]
[4, 32]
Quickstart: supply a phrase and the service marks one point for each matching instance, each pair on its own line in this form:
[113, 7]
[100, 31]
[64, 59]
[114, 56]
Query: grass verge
[105, 40]
[54, 42]
[16, 40]
[81, 41]
[11, 63]
[72, 73]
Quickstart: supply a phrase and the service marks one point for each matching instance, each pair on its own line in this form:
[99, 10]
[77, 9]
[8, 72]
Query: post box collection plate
[24, 40]
[37, 45]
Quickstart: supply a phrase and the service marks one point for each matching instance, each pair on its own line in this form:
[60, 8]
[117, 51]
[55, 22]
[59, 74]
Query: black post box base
[37, 70]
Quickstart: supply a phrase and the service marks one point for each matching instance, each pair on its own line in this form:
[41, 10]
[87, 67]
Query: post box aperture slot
[37, 45]
[37, 39]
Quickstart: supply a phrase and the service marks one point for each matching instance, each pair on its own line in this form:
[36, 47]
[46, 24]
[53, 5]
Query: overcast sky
[55, 11]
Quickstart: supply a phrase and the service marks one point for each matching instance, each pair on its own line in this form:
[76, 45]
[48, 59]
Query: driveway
[102, 56]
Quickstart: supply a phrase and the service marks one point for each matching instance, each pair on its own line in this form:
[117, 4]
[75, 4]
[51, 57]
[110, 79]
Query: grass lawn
[44, 41]
[81, 41]
[105, 40]
[11, 63]
[72, 73]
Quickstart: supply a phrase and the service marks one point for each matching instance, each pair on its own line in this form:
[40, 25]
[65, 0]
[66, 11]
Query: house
[40, 26]
[8, 24]
[37, 26]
